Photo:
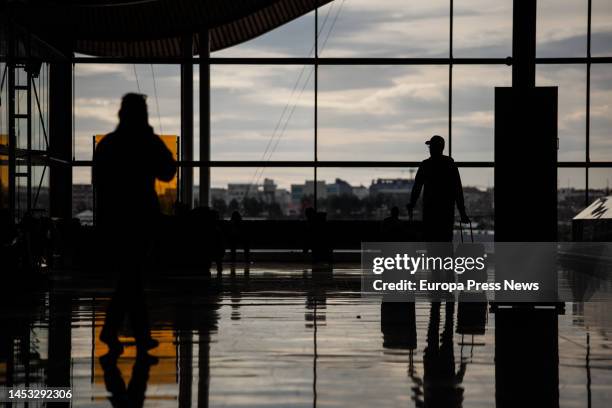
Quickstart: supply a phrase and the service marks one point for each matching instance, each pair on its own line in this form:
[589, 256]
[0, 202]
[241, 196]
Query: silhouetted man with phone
[127, 162]
[439, 176]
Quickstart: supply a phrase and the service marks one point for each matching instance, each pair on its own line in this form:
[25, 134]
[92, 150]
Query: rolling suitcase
[472, 310]
[472, 250]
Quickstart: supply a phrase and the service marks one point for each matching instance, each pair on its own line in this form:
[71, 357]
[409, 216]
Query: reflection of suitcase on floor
[472, 313]
[472, 250]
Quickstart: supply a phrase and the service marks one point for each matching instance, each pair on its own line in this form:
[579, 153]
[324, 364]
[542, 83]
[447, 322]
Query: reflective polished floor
[285, 335]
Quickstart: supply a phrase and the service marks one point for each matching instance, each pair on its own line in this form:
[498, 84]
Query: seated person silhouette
[126, 164]
[215, 240]
[238, 236]
[439, 177]
[391, 228]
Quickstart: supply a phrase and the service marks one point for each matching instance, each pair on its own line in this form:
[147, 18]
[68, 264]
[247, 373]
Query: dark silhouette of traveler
[439, 177]
[391, 227]
[126, 164]
[238, 237]
[133, 395]
[215, 240]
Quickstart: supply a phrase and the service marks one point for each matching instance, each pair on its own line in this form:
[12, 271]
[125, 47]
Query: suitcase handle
[471, 231]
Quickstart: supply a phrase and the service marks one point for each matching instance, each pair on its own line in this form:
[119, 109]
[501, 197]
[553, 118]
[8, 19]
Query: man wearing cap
[440, 177]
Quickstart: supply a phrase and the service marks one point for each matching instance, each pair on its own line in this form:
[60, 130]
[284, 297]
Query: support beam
[525, 210]
[526, 164]
[186, 180]
[524, 43]
[60, 139]
[204, 118]
[525, 128]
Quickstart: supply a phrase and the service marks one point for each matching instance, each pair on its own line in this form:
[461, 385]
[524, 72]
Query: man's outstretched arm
[416, 191]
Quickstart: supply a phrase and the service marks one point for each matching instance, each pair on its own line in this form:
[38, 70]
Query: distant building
[339, 187]
[360, 192]
[298, 191]
[391, 186]
[269, 191]
[569, 193]
[217, 193]
[309, 188]
[237, 191]
[282, 196]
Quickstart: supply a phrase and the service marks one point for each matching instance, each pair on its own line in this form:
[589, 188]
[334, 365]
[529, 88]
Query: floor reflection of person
[127, 162]
[132, 395]
[391, 229]
[440, 379]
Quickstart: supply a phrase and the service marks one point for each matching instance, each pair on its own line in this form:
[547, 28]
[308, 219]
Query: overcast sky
[371, 113]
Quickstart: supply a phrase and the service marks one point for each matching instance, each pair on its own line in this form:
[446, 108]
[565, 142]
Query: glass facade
[340, 99]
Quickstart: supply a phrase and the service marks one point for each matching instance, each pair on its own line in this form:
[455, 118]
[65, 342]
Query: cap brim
[428, 142]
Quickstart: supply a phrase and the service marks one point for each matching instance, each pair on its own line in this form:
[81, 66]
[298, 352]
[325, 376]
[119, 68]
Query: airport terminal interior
[219, 264]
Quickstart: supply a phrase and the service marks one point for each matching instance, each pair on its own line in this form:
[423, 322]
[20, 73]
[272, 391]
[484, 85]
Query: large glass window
[332, 133]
